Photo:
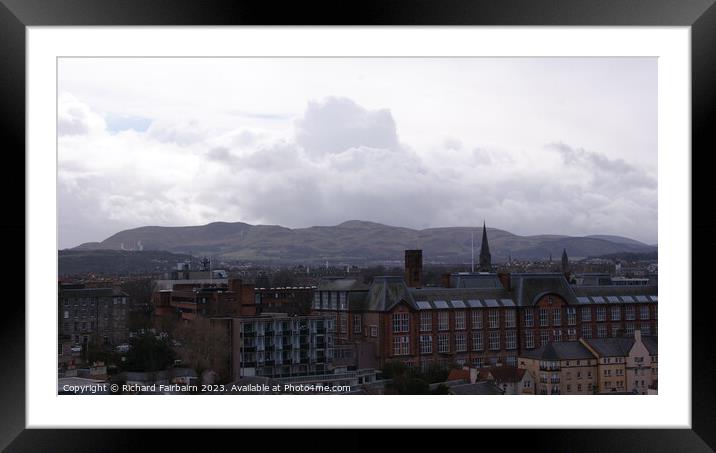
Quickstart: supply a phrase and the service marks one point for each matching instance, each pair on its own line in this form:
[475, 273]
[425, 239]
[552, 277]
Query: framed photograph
[425, 216]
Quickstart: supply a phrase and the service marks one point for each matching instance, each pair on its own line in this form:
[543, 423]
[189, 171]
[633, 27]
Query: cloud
[341, 161]
[337, 124]
[76, 118]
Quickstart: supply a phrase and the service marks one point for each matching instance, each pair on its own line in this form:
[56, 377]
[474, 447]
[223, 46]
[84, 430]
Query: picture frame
[16, 15]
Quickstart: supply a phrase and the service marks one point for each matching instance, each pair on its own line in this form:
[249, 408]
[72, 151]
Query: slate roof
[475, 280]
[341, 284]
[92, 292]
[651, 343]
[528, 288]
[564, 350]
[387, 292]
[480, 388]
[612, 347]
[506, 373]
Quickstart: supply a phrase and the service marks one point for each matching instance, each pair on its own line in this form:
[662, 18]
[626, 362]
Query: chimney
[473, 375]
[637, 336]
[414, 268]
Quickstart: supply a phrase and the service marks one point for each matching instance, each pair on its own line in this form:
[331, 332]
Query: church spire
[565, 261]
[485, 257]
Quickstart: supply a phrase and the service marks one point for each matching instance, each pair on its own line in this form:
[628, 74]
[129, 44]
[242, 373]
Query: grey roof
[92, 292]
[654, 298]
[423, 305]
[628, 299]
[583, 300]
[612, 347]
[491, 303]
[440, 304]
[457, 304]
[474, 280]
[474, 303]
[598, 299]
[507, 302]
[341, 284]
[652, 344]
[613, 299]
[387, 292]
[528, 288]
[563, 350]
[641, 299]
[479, 388]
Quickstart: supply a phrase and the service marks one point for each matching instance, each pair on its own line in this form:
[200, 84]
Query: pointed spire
[485, 257]
[565, 261]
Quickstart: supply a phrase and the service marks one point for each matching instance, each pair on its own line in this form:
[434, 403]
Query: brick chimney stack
[414, 268]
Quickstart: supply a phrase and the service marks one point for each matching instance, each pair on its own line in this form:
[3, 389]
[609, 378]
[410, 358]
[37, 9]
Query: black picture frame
[700, 15]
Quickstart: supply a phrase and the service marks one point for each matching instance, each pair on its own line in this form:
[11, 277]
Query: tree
[140, 303]
[149, 353]
[283, 278]
[204, 345]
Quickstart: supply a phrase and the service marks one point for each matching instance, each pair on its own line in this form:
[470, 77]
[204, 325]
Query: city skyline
[548, 145]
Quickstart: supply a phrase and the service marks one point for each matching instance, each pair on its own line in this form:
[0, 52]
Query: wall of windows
[443, 320]
[426, 321]
[460, 320]
[401, 322]
[426, 344]
[476, 319]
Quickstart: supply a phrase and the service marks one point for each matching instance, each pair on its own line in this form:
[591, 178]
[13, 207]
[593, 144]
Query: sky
[529, 145]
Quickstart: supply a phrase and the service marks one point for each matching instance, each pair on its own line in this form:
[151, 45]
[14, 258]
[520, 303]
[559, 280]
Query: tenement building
[597, 365]
[89, 315]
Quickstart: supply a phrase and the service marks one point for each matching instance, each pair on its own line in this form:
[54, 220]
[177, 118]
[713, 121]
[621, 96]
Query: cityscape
[491, 329]
[357, 226]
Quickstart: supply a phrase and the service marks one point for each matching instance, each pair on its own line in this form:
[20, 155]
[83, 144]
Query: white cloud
[340, 159]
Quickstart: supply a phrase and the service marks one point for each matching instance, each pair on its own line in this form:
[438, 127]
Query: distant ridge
[356, 241]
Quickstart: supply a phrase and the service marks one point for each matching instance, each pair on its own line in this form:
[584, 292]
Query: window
[401, 345]
[579, 387]
[426, 321]
[342, 300]
[510, 317]
[557, 335]
[476, 319]
[400, 322]
[586, 313]
[343, 319]
[529, 339]
[571, 316]
[629, 329]
[494, 319]
[357, 325]
[629, 313]
[494, 340]
[616, 313]
[443, 342]
[373, 331]
[543, 317]
[543, 337]
[644, 312]
[571, 334]
[601, 331]
[510, 339]
[316, 300]
[459, 320]
[460, 342]
[426, 344]
[443, 320]
[67, 314]
[529, 320]
[511, 360]
[586, 331]
[644, 327]
[477, 362]
[557, 314]
[615, 330]
[601, 313]
[477, 341]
